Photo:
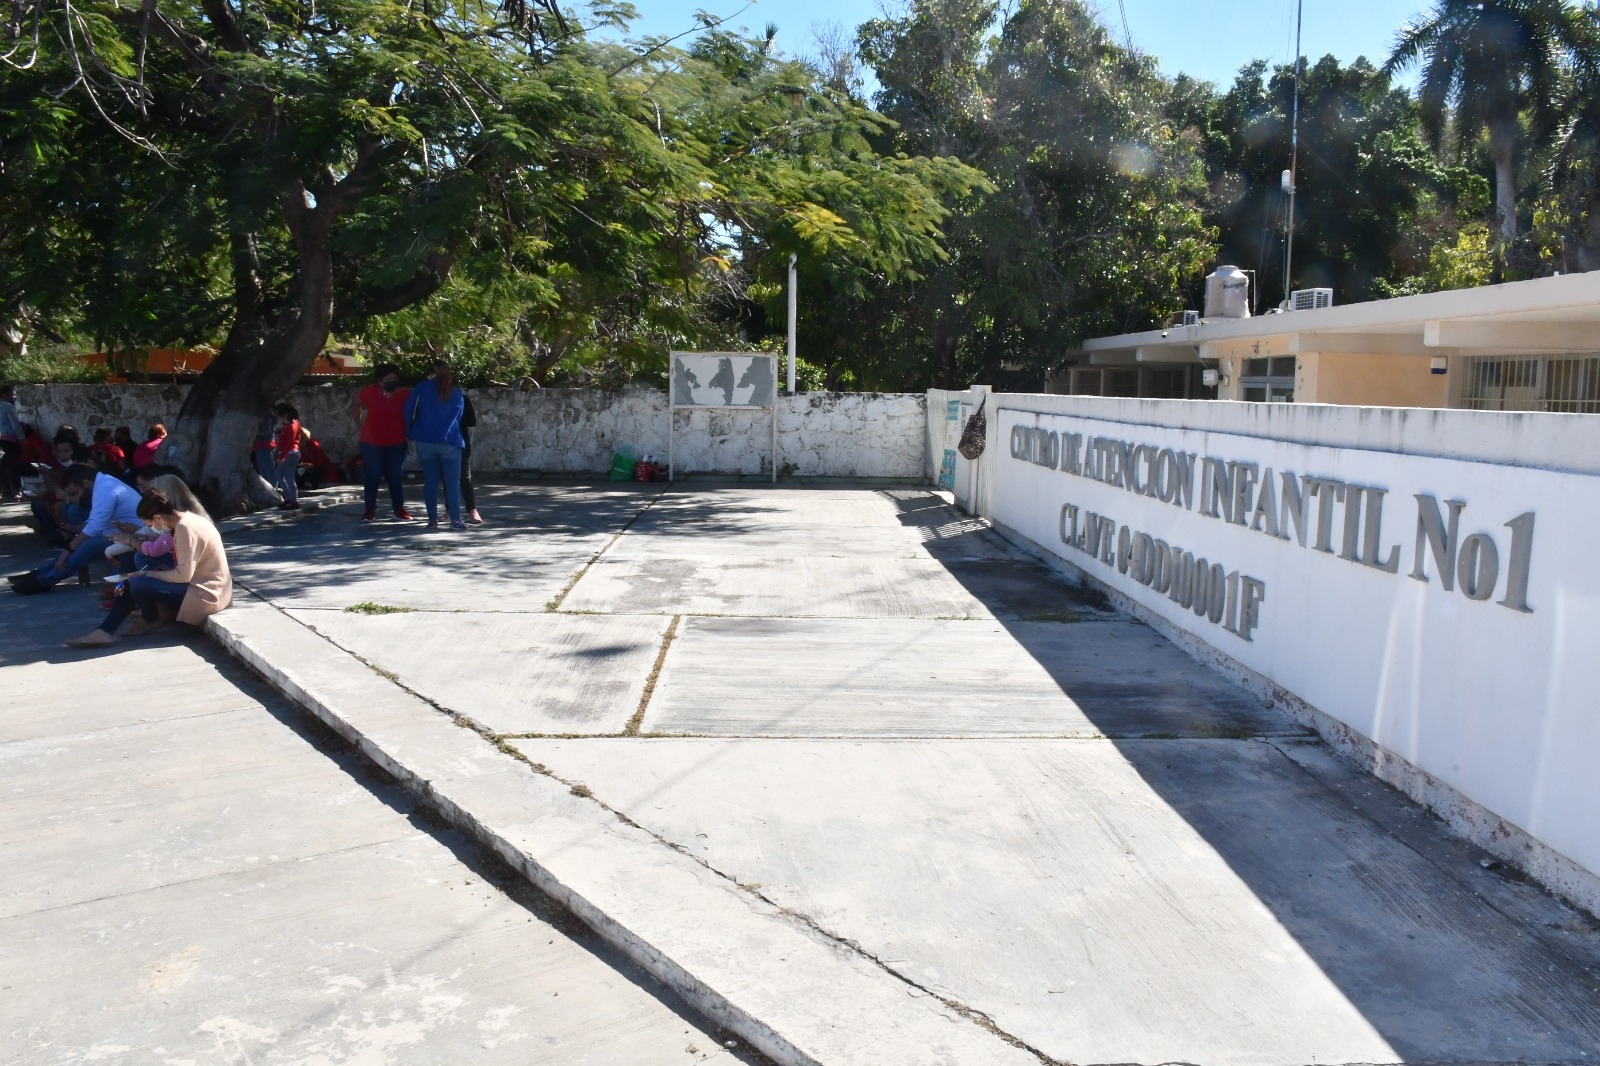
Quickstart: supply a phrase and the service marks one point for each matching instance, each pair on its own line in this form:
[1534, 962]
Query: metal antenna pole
[793, 280]
[1294, 158]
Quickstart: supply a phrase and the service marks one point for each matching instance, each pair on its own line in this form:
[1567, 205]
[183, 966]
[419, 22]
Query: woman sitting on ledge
[199, 586]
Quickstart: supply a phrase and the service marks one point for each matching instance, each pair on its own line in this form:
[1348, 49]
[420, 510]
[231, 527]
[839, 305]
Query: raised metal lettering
[1433, 533]
[1295, 509]
[1328, 492]
[1352, 522]
[1069, 525]
[1200, 587]
[1161, 579]
[1217, 594]
[1518, 562]
[1251, 593]
[1244, 478]
[1478, 569]
[1264, 519]
[1374, 532]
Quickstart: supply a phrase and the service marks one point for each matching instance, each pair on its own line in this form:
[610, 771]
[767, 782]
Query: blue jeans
[78, 559]
[145, 593]
[441, 462]
[384, 462]
[288, 466]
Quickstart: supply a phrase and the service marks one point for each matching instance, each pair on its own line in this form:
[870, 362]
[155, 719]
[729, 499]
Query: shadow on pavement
[1446, 960]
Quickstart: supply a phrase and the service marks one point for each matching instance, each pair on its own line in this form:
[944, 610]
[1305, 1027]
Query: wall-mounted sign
[723, 379]
[712, 380]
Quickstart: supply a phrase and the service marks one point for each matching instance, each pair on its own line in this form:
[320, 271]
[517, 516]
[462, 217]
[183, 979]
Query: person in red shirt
[108, 448]
[35, 449]
[286, 452]
[320, 470]
[145, 454]
[380, 410]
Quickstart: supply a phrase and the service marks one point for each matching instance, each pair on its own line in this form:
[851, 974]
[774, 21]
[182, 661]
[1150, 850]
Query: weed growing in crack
[377, 608]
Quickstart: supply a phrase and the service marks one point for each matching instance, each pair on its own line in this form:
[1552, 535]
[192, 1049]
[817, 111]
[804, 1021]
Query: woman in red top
[108, 448]
[286, 452]
[145, 454]
[380, 410]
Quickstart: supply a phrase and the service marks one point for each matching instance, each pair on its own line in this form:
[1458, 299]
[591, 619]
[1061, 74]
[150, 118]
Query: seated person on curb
[154, 549]
[198, 587]
[54, 518]
[109, 502]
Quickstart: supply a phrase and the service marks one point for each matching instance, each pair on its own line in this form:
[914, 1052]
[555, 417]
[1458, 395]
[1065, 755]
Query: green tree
[1092, 219]
[1372, 200]
[1486, 63]
[270, 176]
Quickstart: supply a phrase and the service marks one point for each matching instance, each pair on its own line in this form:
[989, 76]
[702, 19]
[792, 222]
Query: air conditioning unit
[1191, 318]
[1310, 299]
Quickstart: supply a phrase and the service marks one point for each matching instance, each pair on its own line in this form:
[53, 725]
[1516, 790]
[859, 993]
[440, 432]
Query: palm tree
[1575, 164]
[1491, 60]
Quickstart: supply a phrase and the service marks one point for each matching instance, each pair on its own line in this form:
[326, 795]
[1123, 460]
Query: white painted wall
[1486, 712]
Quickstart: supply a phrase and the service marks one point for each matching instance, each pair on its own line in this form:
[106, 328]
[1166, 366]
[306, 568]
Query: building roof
[1556, 314]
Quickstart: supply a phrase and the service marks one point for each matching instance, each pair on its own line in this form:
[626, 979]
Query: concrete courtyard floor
[867, 784]
[193, 871]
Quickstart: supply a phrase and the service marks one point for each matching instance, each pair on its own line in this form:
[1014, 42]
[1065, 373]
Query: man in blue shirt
[110, 503]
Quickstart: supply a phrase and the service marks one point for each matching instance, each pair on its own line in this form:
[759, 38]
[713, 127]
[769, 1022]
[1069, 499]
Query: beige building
[1522, 346]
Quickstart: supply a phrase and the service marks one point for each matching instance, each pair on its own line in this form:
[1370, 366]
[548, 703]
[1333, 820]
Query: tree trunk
[259, 363]
[1502, 150]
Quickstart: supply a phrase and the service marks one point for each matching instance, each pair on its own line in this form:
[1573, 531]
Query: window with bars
[1567, 383]
[1268, 380]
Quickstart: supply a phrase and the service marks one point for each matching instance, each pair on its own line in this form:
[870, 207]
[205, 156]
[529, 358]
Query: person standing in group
[286, 455]
[380, 410]
[469, 494]
[433, 422]
[11, 445]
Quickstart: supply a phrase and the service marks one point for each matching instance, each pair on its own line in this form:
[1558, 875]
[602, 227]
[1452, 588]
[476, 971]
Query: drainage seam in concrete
[463, 820]
[971, 1014]
[555, 604]
[632, 728]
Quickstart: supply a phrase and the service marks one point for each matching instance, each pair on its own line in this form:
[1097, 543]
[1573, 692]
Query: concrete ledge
[1465, 817]
[791, 991]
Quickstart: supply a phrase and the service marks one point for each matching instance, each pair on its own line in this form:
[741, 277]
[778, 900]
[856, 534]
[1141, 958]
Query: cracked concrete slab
[182, 885]
[790, 523]
[1149, 901]
[820, 587]
[329, 560]
[801, 998]
[512, 673]
[894, 677]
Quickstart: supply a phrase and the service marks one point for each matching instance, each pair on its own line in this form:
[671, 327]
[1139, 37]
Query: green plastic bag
[622, 463]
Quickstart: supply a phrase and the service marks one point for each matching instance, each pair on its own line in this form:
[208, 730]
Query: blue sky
[1209, 39]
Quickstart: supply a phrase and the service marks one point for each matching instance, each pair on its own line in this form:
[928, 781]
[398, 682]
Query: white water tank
[1227, 293]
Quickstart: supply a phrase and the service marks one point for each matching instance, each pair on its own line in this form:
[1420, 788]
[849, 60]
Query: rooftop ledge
[1557, 314]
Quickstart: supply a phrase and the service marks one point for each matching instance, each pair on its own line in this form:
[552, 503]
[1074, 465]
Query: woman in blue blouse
[433, 421]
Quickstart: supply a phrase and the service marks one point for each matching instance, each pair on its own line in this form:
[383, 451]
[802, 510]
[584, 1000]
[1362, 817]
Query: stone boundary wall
[575, 431]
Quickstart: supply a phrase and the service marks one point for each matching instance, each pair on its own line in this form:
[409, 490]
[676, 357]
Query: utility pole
[792, 283]
[1290, 175]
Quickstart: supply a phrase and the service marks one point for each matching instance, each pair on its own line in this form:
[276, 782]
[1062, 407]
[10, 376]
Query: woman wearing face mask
[198, 586]
[433, 420]
[380, 411]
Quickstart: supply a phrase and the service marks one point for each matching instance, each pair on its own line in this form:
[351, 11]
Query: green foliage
[492, 185]
[1089, 221]
[50, 366]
